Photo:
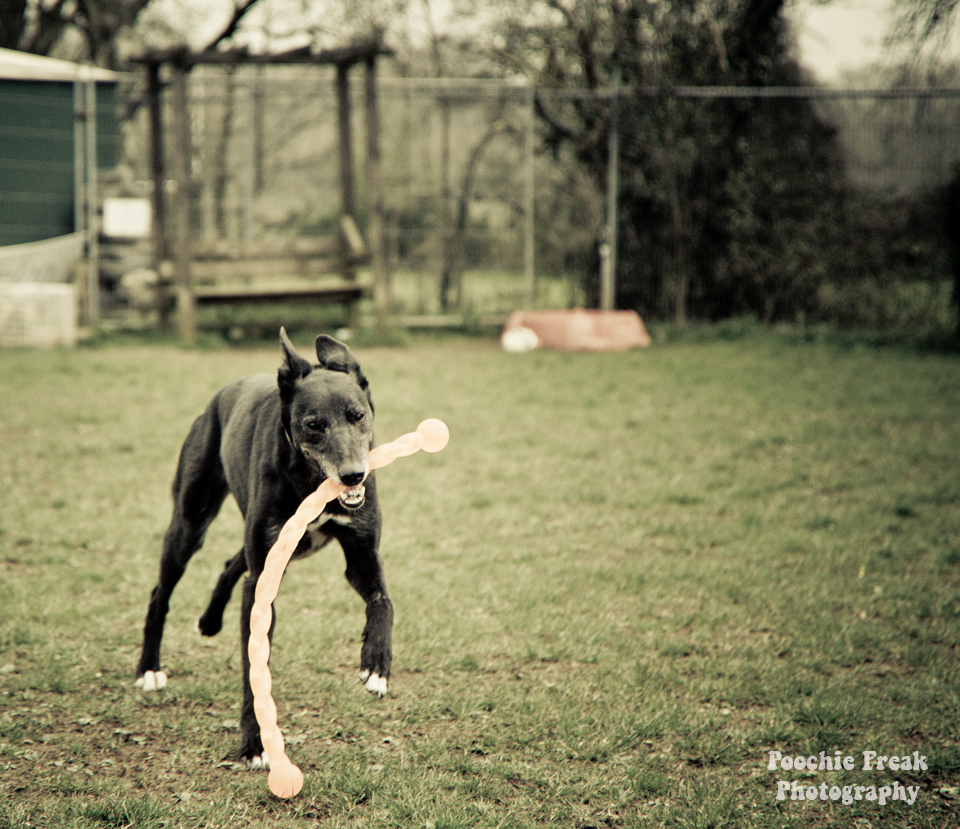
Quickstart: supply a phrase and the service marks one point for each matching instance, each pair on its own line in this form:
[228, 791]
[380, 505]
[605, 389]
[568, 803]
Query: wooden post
[158, 174]
[182, 254]
[346, 140]
[378, 252]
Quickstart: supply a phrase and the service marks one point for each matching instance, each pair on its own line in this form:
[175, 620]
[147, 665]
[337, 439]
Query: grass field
[625, 581]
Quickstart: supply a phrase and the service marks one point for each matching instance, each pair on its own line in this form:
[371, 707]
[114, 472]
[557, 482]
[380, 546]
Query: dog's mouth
[354, 497]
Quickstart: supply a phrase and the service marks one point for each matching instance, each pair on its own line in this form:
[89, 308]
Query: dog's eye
[355, 415]
[315, 424]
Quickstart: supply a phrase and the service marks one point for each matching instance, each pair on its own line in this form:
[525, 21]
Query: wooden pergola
[180, 62]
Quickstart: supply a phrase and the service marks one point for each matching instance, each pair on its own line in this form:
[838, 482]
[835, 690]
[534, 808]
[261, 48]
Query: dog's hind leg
[199, 489]
[212, 619]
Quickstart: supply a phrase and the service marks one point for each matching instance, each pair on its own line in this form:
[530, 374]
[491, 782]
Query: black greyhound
[270, 444]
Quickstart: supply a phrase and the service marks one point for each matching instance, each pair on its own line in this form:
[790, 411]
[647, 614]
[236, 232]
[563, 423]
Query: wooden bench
[276, 271]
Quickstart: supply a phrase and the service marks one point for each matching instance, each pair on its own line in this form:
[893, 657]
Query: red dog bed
[575, 330]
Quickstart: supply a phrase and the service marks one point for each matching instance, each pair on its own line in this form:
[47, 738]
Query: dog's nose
[352, 479]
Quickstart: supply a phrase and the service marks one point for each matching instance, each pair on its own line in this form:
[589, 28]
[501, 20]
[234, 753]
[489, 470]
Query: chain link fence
[484, 216]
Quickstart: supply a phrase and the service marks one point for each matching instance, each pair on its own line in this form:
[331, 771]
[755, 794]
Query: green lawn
[626, 580]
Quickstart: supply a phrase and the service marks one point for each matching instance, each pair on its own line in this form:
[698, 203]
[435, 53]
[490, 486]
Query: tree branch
[918, 22]
[239, 10]
[584, 37]
[50, 24]
[11, 22]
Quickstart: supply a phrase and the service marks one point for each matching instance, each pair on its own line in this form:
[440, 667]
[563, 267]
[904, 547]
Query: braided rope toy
[285, 778]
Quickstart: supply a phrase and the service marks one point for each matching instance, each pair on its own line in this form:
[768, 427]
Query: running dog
[270, 443]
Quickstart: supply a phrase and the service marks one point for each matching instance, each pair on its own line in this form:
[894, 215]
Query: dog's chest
[319, 533]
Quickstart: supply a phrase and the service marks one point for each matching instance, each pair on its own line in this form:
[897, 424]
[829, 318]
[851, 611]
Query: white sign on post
[127, 218]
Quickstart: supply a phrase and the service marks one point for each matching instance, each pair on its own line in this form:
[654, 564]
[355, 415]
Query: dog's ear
[294, 367]
[335, 356]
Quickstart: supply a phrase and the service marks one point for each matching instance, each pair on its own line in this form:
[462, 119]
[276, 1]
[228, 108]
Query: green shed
[42, 133]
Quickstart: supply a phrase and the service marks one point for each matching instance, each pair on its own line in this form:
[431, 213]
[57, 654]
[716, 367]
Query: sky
[841, 36]
[834, 37]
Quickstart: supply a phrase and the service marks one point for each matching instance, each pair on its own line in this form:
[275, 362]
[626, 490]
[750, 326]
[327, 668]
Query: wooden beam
[303, 247]
[225, 295]
[242, 270]
[356, 250]
[348, 55]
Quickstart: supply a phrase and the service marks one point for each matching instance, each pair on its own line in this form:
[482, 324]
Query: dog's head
[327, 413]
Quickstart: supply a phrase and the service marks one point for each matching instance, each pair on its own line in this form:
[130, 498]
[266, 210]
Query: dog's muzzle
[354, 497]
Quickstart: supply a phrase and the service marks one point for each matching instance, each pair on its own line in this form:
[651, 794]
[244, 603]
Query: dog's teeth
[353, 497]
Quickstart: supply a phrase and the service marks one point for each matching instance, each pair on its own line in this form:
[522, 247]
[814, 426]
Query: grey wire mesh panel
[37, 314]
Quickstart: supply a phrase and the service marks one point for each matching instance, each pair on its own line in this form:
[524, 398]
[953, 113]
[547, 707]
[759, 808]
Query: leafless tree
[924, 23]
[40, 27]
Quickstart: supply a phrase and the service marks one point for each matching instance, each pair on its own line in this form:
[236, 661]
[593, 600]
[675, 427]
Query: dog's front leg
[376, 654]
[251, 748]
[365, 574]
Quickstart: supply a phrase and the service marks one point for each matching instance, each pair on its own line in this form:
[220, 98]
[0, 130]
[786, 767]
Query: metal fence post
[529, 230]
[608, 269]
[87, 96]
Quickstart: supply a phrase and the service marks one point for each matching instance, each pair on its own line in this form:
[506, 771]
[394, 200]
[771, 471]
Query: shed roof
[23, 66]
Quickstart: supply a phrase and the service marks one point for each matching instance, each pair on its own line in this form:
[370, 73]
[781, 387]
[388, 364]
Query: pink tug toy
[285, 778]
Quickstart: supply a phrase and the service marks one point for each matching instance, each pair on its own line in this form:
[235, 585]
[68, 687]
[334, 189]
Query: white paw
[374, 683]
[259, 762]
[152, 681]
